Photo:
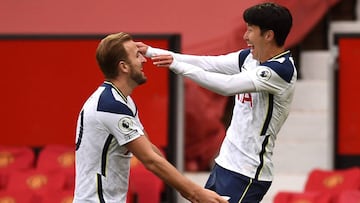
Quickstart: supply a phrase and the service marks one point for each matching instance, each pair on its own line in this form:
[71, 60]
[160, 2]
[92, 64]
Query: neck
[124, 89]
[272, 54]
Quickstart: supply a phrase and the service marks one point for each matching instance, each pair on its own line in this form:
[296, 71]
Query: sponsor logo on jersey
[126, 127]
[125, 124]
[264, 74]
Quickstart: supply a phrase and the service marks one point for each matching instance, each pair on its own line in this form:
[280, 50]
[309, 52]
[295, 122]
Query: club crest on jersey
[264, 73]
[125, 125]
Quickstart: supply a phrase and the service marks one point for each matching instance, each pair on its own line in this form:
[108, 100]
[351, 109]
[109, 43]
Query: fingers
[140, 44]
[226, 198]
[142, 47]
[162, 60]
[222, 200]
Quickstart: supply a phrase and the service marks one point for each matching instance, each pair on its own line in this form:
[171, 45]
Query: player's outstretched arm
[142, 149]
[226, 85]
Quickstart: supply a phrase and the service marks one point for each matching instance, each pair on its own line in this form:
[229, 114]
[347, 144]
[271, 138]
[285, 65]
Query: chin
[143, 81]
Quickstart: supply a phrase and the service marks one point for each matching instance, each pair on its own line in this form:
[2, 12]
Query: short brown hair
[110, 52]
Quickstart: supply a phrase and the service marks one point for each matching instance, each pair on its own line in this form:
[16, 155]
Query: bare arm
[155, 148]
[142, 148]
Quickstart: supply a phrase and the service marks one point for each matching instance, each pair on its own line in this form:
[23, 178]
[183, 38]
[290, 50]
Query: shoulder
[109, 102]
[283, 66]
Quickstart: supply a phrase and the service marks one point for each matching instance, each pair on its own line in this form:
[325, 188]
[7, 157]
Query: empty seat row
[52, 170]
[18, 196]
[22, 160]
[326, 186]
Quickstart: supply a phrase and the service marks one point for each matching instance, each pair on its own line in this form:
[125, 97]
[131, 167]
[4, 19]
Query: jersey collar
[117, 90]
[280, 55]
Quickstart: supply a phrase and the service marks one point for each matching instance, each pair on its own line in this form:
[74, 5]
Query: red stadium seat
[333, 180]
[282, 196]
[64, 196]
[58, 158]
[323, 186]
[16, 196]
[14, 158]
[19, 196]
[349, 196]
[36, 182]
[302, 197]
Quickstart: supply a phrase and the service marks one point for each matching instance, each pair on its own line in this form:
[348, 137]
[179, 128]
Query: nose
[245, 36]
[143, 59]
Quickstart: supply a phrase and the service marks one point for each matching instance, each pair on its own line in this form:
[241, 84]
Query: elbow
[152, 164]
[148, 164]
[231, 90]
[226, 92]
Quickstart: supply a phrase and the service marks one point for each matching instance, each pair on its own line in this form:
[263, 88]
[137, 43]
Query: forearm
[170, 175]
[157, 150]
[143, 150]
[227, 64]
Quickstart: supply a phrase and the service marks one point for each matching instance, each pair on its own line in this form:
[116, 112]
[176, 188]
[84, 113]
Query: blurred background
[47, 50]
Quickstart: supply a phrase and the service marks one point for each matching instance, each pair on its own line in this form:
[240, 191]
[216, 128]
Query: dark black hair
[270, 16]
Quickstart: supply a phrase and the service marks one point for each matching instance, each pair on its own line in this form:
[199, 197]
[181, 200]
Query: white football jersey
[258, 116]
[263, 95]
[107, 121]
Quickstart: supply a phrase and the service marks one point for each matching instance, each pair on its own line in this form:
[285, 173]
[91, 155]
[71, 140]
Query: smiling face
[255, 41]
[135, 61]
[261, 43]
[268, 25]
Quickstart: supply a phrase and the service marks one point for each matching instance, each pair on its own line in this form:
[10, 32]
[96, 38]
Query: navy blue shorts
[238, 187]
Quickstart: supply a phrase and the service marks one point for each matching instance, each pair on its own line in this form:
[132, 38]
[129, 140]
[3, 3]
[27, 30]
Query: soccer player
[109, 131]
[262, 77]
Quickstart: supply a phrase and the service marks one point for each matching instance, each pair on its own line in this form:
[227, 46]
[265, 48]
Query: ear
[269, 35]
[123, 66]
